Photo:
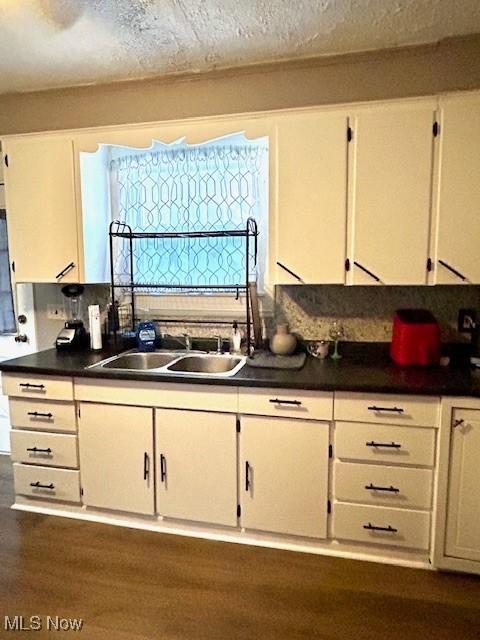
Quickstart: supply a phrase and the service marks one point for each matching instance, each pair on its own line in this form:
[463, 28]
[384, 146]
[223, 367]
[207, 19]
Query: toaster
[415, 338]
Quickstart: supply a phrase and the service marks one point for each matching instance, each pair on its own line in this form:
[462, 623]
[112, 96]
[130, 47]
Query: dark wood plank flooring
[137, 585]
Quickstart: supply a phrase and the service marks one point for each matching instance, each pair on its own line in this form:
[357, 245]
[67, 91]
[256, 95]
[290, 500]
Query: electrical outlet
[56, 312]
[466, 320]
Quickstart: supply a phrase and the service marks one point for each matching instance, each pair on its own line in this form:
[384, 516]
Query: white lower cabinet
[196, 466]
[463, 504]
[284, 475]
[116, 457]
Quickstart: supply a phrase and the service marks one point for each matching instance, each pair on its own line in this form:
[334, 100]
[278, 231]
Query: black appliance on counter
[73, 335]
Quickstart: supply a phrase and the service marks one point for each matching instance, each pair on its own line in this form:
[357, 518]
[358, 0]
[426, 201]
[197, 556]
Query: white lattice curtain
[209, 187]
[7, 316]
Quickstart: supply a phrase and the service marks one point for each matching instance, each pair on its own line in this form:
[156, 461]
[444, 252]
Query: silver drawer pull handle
[373, 527]
[372, 487]
[38, 414]
[295, 403]
[389, 409]
[37, 450]
[39, 485]
[387, 445]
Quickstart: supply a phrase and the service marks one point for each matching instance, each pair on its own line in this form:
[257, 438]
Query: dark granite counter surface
[364, 368]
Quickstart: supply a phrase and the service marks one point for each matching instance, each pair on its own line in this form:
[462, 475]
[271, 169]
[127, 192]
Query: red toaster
[415, 338]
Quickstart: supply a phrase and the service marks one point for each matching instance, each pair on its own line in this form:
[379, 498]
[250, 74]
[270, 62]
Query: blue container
[146, 336]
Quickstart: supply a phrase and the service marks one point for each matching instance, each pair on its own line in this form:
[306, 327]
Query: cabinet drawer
[43, 415]
[51, 449]
[381, 525]
[383, 485]
[310, 405]
[32, 386]
[385, 443]
[387, 409]
[46, 483]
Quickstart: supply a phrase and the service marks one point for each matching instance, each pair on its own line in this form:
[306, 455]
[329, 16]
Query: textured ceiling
[56, 43]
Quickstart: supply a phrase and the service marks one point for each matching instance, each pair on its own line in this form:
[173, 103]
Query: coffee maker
[73, 335]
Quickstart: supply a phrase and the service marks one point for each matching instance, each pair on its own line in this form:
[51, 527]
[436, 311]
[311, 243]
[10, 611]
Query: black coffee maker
[73, 335]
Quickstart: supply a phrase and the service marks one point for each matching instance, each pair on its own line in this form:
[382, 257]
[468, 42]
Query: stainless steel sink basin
[208, 364]
[196, 363]
[140, 361]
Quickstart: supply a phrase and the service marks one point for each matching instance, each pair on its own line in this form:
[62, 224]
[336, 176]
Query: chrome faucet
[219, 344]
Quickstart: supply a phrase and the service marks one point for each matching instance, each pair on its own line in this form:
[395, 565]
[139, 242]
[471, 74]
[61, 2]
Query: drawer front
[46, 483]
[169, 395]
[286, 403]
[380, 525]
[387, 409]
[51, 449]
[383, 485]
[32, 386]
[385, 443]
[43, 415]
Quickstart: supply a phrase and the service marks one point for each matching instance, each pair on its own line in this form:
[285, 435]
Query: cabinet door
[284, 475]
[458, 224]
[312, 198]
[197, 466]
[40, 195]
[463, 516]
[116, 457]
[390, 199]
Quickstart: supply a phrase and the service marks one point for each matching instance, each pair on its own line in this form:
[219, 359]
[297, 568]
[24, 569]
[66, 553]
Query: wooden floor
[129, 584]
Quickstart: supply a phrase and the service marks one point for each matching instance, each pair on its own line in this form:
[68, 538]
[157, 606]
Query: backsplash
[366, 313]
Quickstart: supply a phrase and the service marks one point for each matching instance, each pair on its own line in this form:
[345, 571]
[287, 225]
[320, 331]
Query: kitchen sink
[140, 361]
[173, 362]
[208, 364]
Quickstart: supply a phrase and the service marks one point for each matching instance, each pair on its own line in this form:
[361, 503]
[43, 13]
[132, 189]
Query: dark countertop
[364, 368]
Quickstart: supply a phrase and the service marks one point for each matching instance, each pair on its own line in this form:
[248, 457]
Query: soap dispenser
[236, 339]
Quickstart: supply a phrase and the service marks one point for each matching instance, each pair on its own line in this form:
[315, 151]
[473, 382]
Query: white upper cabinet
[457, 231]
[390, 193]
[40, 201]
[311, 192]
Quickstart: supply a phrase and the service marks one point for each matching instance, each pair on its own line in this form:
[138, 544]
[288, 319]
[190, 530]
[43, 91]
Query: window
[213, 186]
[7, 316]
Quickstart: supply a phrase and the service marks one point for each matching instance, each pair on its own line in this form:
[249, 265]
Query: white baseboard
[237, 536]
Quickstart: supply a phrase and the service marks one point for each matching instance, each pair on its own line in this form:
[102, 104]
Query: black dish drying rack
[118, 229]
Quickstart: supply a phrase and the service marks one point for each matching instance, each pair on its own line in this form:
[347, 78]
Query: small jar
[283, 343]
